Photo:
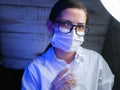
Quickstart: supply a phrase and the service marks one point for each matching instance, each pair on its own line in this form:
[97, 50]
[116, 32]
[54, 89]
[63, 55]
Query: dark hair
[64, 4]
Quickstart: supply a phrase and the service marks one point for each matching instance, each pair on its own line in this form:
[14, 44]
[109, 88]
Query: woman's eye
[65, 23]
[81, 26]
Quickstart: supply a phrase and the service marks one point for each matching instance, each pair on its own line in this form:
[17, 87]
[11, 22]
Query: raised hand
[64, 81]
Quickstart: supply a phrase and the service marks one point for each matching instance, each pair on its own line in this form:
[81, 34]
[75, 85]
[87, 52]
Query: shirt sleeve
[106, 77]
[30, 81]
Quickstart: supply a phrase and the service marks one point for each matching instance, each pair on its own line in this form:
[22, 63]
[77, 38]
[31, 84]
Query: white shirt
[92, 71]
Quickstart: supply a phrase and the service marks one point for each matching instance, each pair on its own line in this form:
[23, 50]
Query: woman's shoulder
[92, 55]
[42, 60]
[91, 52]
[36, 63]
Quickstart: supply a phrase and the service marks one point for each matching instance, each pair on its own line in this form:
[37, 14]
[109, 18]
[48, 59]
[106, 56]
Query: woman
[67, 65]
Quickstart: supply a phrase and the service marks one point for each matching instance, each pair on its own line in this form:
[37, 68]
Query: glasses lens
[64, 26]
[81, 28]
[64, 30]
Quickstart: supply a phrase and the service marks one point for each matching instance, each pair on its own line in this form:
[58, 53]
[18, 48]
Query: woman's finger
[61, 74]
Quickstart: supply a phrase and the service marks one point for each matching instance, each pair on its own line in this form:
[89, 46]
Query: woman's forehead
[73, 15]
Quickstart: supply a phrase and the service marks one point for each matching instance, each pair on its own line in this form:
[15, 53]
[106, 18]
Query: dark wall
[10, 79]
[111, 50]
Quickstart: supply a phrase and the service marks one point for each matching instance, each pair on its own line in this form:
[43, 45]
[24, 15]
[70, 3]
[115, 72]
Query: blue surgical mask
[67, 42]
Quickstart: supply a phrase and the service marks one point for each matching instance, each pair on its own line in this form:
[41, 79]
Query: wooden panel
[95, 37]
[19, 45]
[101, 18]
[97, 30]
[23, 34]
[34, 3]
[94, 42]
[16, 63]
[93, 5]
[13, 15]
[19, 49]
[24, 28]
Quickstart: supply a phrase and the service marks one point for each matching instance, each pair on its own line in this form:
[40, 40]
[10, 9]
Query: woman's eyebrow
[71, 22]
[81, 24]
[65, 20]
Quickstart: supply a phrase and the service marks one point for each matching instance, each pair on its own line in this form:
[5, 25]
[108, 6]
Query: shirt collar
[50, 55]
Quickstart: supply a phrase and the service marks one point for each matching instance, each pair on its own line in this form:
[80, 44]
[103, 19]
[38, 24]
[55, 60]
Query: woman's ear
[50, 26]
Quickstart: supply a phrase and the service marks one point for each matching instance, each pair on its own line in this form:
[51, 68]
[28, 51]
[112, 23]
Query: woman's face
[74, 15]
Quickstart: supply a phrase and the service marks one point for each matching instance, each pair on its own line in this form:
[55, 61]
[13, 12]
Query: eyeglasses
[67, 26]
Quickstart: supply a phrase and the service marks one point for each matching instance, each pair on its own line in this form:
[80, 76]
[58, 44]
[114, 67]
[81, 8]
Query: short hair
[64, 4]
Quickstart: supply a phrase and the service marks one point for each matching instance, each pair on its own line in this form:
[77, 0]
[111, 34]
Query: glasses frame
[59, 22]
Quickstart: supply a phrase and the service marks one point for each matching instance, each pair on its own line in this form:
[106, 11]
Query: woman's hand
[62, 82]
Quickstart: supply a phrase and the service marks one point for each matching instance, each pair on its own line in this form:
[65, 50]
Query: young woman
[67, 65]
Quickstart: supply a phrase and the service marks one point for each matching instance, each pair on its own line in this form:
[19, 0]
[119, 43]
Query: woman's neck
[67, 56]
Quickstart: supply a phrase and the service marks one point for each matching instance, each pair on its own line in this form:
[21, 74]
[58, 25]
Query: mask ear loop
[74, 30]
